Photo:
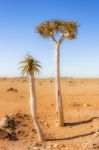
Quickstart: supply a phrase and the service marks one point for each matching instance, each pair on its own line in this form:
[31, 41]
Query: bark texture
[59, 108]
[33, 108]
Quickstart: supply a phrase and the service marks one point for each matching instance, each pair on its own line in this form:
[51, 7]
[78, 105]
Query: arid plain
[81, 113]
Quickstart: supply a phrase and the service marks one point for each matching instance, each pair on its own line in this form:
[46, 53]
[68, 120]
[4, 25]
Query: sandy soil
[81, 111]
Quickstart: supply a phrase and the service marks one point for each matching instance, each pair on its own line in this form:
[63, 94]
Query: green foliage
[52, 28]
[30, 65]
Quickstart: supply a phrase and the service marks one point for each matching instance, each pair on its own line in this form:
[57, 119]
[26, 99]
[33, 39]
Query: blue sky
[18, 19]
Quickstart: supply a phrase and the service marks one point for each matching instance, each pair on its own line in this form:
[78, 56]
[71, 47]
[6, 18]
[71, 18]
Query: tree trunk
[59, 109]
[33, 108]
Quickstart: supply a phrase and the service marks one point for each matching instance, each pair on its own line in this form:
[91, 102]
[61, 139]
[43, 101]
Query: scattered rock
[95, 146]
[3, 134]
[12, 90]
[95, 128]
[11, 122]
[12, 136]
[15, 90]
[48, 146]
[3, 122]
[96, 134]
[38, 144]
[12, 126]
[56, 145]
[86, 105]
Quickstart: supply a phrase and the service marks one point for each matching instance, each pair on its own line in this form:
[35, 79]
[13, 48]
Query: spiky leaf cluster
[30, 65]
[51, 28]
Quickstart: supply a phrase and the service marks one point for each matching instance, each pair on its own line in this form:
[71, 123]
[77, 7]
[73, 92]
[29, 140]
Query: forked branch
[62, 38]
[53, 39]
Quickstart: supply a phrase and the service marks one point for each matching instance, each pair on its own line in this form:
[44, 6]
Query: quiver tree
[31, 66]
[63, 30]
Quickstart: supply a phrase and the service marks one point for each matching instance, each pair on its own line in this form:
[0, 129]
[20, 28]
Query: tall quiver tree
[58, 31]
[31, 66]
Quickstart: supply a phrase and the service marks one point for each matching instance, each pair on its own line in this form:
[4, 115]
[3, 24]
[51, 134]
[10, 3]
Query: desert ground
[81, 113]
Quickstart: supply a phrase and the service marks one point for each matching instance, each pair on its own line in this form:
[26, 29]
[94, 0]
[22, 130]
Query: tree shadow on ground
[80, 122]
[71, 138]
[75, 124]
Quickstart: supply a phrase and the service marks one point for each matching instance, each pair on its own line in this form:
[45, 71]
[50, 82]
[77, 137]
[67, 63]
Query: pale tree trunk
[59, 108]
[33, 108]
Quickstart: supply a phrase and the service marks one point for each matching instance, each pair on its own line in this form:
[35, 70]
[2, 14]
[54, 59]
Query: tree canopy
[30, 65]
[49, 29]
